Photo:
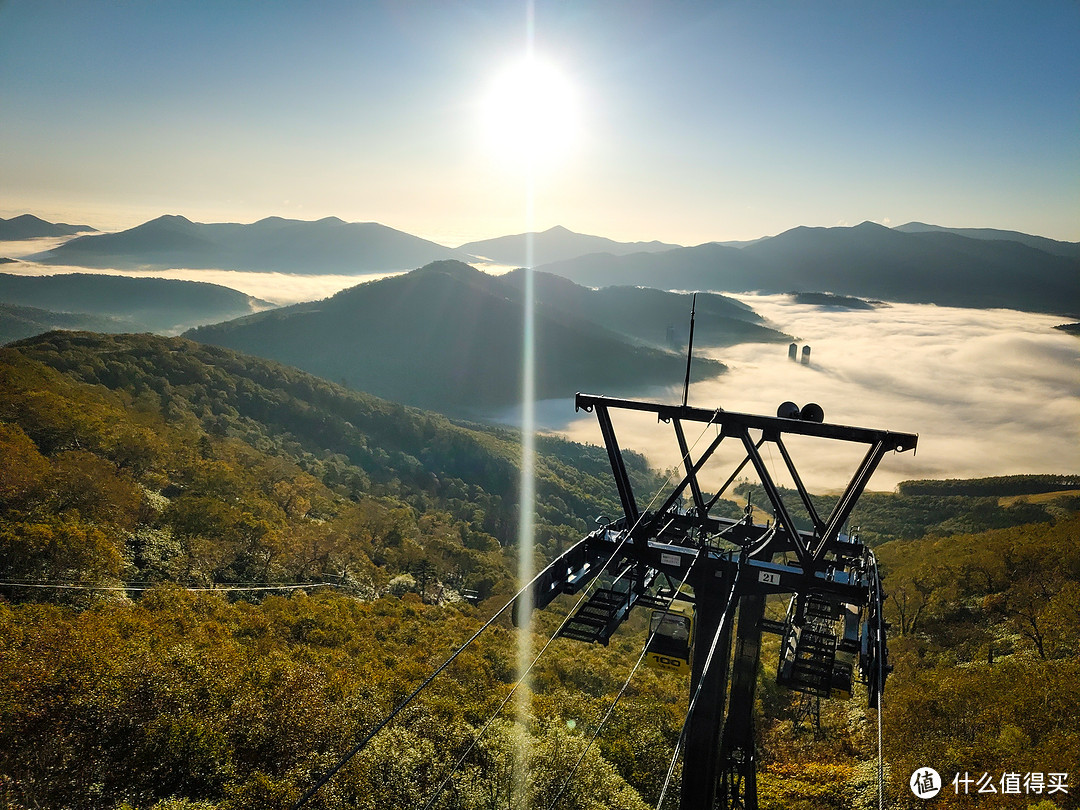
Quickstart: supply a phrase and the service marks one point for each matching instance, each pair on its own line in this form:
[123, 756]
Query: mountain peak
[28, 219]
[28, 226]
[170, 219]
[451, 267]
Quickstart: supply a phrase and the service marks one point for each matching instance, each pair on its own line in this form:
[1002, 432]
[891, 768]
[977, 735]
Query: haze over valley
[448, 337]
[984, 389]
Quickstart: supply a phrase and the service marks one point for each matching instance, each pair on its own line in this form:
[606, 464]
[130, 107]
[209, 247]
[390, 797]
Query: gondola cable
[585, 593]
[879, 656]
[622, 691]
[487, 724]
[401, 706]
[725, 620]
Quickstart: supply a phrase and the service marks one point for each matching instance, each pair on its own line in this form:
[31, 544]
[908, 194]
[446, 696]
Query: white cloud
[277, 288]
[990, 392]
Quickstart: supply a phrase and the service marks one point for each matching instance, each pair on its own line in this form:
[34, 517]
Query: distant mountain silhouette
[137, 304]
[653, 317]
[552, 245]
[27, 226]
[449, 338]
[867, 260]
[273, 244]
[711, 266]
[1051, 246]
[18, 322]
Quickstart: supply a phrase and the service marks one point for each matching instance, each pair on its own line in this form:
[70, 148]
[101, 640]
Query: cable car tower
[706, 577]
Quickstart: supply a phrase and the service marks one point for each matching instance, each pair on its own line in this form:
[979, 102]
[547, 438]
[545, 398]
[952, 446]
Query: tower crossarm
[810, 547]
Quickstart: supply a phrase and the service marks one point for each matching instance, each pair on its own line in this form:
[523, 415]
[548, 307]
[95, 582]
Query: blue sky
[691, 122]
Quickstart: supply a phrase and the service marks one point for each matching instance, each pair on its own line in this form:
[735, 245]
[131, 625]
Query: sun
[530, 115]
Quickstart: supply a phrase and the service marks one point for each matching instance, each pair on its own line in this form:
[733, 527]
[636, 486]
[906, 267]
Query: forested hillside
[985, 642]
[986, 645]
[152, 460]
[448, 337]
[935, 508]
[17, 322]
[135, 462]
[135, 304]
[186, 424]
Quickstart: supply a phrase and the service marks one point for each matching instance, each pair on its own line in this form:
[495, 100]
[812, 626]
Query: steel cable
[585, 593]
[725, 620]
[487, 724]
[401, 706]
[879, 655]
[622, 691]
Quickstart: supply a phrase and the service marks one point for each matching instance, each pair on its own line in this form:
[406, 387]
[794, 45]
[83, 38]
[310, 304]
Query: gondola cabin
[817, 656]
[671, 632]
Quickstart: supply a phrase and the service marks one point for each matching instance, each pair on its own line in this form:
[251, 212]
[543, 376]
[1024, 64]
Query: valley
[256, 539]
[139, 467]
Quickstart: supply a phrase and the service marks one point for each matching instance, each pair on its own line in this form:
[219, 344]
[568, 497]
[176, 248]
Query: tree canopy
[138, 469]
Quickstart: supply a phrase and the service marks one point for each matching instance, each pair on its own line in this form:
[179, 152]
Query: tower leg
[738, 762]
[700, 761]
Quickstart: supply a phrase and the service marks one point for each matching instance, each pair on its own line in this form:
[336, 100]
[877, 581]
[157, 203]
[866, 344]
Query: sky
[679, 121]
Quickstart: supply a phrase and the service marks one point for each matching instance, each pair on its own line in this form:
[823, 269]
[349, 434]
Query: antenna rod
[689, 351]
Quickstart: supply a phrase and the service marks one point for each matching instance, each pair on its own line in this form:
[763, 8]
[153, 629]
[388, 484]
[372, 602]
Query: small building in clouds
[793, 353]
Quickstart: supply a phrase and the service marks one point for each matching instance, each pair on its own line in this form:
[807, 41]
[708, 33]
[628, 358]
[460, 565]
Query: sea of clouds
[279, 289]
[989, 392]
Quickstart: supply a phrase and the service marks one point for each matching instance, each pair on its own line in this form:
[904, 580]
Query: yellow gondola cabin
[672, 631]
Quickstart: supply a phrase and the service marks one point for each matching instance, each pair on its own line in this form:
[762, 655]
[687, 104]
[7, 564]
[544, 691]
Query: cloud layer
[277, 288]
[990, 392]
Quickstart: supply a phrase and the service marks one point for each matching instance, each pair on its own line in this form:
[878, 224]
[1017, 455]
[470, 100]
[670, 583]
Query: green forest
[218, 574]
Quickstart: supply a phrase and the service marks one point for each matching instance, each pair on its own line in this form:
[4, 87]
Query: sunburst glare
[530, 115]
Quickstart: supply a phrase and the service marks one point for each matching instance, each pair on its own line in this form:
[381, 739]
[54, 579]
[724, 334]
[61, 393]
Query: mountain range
[1052, 246]
[327, 245]
[27, 226]
[449, 337]
[553, 245]
[916, 262]
[273, 244]
[115, 303]
[868, 260]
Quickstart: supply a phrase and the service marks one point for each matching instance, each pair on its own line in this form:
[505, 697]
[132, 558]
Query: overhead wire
[622, 691]
[401, 706]
[879, 659]
[150, 587]
[626, 535]
[725, 620]
[487, 724]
